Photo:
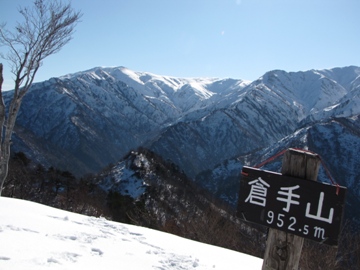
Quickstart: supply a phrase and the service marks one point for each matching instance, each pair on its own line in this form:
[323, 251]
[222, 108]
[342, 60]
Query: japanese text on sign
[306, 208]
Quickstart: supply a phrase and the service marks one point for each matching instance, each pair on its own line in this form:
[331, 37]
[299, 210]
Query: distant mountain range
[208, 127]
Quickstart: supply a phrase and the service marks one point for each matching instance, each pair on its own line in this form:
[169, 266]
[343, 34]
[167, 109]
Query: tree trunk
[6, 140]
[3, 168]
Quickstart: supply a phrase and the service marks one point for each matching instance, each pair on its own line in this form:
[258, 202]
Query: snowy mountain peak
[315, 90]
[153, 85]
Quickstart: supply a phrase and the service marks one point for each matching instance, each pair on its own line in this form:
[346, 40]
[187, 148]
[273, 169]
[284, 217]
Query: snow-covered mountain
[84, 121]
[266, 111]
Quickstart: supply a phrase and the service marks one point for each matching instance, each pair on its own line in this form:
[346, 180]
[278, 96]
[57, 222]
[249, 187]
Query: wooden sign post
[293, 206]
[283, 250]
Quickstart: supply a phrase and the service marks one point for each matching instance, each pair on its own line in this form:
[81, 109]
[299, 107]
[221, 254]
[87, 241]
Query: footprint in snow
[52, 260]
[96, 251]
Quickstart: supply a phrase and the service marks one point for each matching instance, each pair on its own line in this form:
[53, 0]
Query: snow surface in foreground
[34, 236]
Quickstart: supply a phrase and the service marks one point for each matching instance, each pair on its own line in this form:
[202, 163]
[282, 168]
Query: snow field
[34, 236]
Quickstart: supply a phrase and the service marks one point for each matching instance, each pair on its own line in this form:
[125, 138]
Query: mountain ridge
[106, 83]
[84, 121]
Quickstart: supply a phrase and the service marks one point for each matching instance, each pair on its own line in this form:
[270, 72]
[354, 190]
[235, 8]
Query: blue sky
[241, 39]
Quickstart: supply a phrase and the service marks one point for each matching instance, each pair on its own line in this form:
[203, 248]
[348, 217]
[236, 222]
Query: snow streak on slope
[35, 237]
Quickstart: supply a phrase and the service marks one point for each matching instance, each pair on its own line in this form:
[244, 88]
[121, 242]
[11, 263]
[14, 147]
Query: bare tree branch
[47, 26]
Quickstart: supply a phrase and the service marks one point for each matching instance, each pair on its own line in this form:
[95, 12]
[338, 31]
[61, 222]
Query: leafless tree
[47, 26]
